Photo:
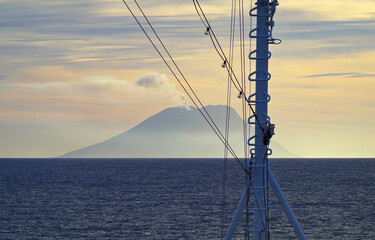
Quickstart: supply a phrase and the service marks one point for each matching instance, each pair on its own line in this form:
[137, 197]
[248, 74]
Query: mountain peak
[176, 132]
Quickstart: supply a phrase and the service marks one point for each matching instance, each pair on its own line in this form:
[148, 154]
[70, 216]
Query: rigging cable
[244, 105]
[228, 113]
[250, 50]
[166, 50]
[216, 44]
[238, 86]
[222, 55]
[230, 70]
[208, 118]
[211, 124]
[243, 85]
[228, 66]
[248, 178]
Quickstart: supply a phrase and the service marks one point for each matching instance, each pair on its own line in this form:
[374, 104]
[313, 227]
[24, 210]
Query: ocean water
[177, 198]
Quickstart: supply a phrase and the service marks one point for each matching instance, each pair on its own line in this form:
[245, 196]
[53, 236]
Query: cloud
[66, 33]
[149, 88]
[346, 75]
[358, 75]
[328, 75]
[151, 80]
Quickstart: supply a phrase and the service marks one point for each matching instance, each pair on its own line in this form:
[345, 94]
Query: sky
[75, 73]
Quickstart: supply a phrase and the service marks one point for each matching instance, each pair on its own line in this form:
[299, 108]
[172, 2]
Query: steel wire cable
[216, 43]
[244, 105]
[217, 132]
[222, 55]
[178, 69]
[227, 119]
[231, 72]
[208, 117]
[166, 50]
[249, 179]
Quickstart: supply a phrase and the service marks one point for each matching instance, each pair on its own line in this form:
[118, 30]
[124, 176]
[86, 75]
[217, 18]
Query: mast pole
[258, 167]
[259, 183]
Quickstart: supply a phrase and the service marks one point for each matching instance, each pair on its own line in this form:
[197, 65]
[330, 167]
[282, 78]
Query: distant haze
[174, 132]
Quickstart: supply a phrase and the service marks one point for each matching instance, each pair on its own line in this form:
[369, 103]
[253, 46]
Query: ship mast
[255, 195]
[258, 164]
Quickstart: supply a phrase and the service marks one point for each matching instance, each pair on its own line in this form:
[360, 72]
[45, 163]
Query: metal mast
[258, 165]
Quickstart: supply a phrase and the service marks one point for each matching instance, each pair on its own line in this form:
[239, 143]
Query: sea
[178, 198]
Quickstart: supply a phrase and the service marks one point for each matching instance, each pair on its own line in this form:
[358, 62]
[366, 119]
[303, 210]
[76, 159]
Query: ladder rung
[259, 58]
[259, 79]
[268, 98]
[261, 14]
[260, 36]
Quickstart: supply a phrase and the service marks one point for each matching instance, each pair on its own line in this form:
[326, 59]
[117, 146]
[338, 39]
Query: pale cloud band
[346, 75]
[150, 88]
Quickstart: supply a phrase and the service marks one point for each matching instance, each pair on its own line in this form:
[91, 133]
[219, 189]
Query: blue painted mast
[257, 165]
[259, 162]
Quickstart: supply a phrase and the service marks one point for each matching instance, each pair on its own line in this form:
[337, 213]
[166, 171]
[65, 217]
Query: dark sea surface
[177, 198]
